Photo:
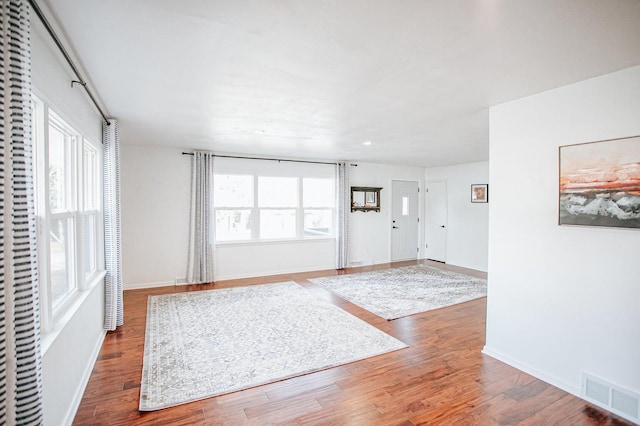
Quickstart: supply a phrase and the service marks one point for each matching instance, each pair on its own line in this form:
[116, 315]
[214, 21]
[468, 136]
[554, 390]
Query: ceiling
[318, 78]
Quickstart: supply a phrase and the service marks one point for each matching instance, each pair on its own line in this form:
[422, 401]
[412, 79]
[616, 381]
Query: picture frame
[480, 193]
[599, 183]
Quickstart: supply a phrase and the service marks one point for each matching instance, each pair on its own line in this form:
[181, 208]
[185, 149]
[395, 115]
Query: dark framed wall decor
[365, 199]
[480, 193]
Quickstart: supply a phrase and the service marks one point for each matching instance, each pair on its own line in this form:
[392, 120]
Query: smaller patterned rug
[207, 343]
[399, 292]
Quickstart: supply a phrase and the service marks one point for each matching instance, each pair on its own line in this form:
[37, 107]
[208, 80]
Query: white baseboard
[139, 286]
[86, 375]
[272, 273]
[535, 372]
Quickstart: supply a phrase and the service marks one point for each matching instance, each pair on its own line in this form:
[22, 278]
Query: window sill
[273, 242]
[67, 312]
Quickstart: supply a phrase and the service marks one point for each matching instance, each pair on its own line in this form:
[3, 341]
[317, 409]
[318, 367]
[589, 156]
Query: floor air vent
[611, 397]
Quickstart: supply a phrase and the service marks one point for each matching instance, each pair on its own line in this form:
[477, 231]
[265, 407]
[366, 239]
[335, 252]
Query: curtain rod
[271, 159]
[55, 38]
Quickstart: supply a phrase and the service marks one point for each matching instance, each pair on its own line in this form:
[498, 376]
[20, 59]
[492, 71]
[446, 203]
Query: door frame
[421, 229]
[446, 213]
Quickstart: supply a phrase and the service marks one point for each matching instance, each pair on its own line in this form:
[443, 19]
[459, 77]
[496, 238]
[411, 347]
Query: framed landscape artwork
[480, 193]
[600, 183]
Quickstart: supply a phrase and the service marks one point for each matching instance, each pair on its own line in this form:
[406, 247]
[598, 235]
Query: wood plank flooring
[442, 378]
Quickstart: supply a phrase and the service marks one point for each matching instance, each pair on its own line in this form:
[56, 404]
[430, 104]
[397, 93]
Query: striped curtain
[20, 359]
[113, 313]
[343, 194]
[202, 225]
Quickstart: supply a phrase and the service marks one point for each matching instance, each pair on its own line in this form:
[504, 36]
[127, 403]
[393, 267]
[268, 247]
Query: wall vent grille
[618, 400]
[181, 281]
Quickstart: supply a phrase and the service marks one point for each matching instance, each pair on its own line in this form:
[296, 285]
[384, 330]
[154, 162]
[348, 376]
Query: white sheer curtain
[343, 195]
[21, 372]
[202, 223]
[113, 312]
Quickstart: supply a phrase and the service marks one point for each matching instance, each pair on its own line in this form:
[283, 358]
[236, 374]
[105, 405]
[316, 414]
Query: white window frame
[52, 313]
[256, 209]
[94, 211]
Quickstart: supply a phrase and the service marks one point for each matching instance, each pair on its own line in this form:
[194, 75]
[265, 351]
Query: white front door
[404, 220]
[436, 220]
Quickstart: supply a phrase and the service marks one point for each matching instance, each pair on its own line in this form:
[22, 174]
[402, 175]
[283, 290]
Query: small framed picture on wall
[480, 193]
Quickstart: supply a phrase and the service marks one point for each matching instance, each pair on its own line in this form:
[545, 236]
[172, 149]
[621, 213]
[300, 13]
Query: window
[250, 207]
[91, 208]
[319, 204]
[234, 196]
[69, 210]
[278, 201]
[62, 169]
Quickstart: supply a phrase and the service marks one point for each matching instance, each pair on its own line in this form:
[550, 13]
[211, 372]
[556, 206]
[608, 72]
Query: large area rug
[207, 343]
[399, 292]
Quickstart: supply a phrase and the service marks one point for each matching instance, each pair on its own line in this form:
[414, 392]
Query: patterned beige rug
[399, 292]
[207, 343]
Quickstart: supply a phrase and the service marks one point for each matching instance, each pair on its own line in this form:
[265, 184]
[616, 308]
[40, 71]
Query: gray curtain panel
[113, 312]
[21, 372]
[343, 194]
[202, 223]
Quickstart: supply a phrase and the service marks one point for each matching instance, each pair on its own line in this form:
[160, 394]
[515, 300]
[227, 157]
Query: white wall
[370, 232]
[68, 362]
[155, 186]
[467, 222]
[70, 349]
[155, 222]
[562, 300]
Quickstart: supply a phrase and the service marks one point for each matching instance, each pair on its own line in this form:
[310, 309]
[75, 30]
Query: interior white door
[436, 220]
[404, 217]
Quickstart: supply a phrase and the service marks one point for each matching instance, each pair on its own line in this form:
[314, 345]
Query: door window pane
[277, 223]
[318, 222]
[233, 225]
[405, 206]
[277, 192]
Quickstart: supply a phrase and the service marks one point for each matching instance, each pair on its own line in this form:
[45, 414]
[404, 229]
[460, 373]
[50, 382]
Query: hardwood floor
[442, 378]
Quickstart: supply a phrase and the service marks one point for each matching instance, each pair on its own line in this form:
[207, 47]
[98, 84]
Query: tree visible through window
[233, 196]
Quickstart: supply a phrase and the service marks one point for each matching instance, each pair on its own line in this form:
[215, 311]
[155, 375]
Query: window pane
[233, 191]
[61, 256]
[318, 222]
[57, 175]
[318, 192]
[277, 223]
[277, 192]
[233, 225]
[89, 244]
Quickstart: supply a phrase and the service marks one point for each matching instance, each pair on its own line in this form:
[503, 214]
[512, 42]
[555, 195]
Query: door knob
[441, 226]
[395, 227]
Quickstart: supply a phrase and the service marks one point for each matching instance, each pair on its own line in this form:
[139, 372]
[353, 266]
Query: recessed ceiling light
[366, 143]
[259, 132]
